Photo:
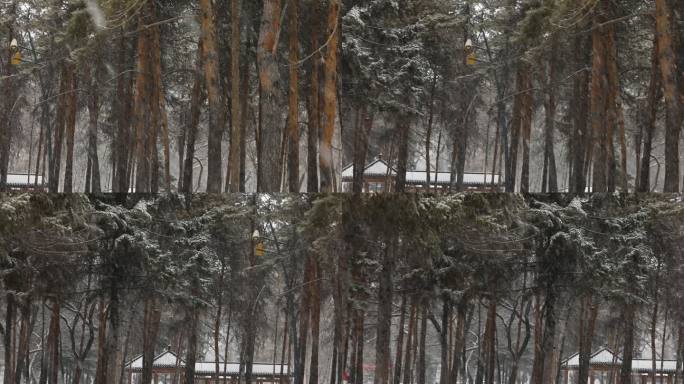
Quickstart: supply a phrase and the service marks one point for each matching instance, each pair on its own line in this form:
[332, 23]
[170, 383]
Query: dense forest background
[388, 288]
[280, 95]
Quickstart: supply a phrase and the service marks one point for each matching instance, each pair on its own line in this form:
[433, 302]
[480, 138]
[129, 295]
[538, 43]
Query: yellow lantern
[16, 55]
[16, 58]
[472, 59]
[259, 249]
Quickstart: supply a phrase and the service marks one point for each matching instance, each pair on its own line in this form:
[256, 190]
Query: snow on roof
[168, 359]
[646, 365]
[418, 177]
[377, 168]
[15, 179]
[165, 359]
[605, 357]
[380, 168]
[234, 368]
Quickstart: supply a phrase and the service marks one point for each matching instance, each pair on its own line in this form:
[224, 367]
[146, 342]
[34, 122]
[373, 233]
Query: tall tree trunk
[580, 134]
[315, 287]
[196, 100]
[151, 321]
[422, 356]
[428, 132]
[490, 342]
[53, 344]
[550, 177]
[101, 368]
[304, 318]
[7, 336]
[70, 130]
[8, 93]
[121, 102]
[356, 375]
[400, 342]
[382, 346]
[313, 111]
[600, 103]
[113, 344]
[671, 91]
[407, 377]
[459, 342]
[404, 130]
[444, 341]
[191, 353]
[25, 331]
[93, 117]
[269, 170]
[649, 121]
[526, 131]
[60, 119]
[517, 124]
[329, 99]
[237, 119]
[587, 322]
[293, 116]
[628, 347]
[143, 95]
[361, 134]
[211, 81]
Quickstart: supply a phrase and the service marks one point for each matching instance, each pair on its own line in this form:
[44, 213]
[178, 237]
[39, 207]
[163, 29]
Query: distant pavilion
[379, 177]
[22, 182]
[604, 365]
[168, 364]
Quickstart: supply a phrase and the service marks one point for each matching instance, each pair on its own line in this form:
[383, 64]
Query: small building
[23, 182]
[168, 365]
[605, 365]
[379, 177]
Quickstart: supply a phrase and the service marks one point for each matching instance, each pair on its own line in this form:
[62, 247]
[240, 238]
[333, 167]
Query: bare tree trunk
[93, 117]
[151, 321]
[671, 91]
[315, 321]
[550, 177]
[444, 341]
[304, 318]
[587, 323]
[428, 133]
[211, 80]
[404, 130]
[382, 346]
[196, 99]
[649, 121]
[237, 120]
[490, 342]
[53, 344]
[580, 134]
[526, 130]
[191, 353]
[329, 99]
[70, 121]
[421, 369]
[407, 377]
[628, 347]
[7, 107]
[7, 336]
[293, 116]
[399, 349]
[517, 124]
[314, 118]
[270, 97]
[60, 118]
